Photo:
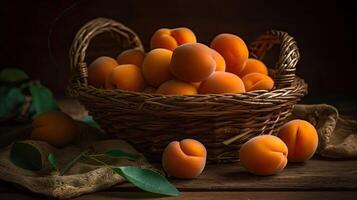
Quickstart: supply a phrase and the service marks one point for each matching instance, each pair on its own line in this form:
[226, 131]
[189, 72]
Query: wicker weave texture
[221, 122]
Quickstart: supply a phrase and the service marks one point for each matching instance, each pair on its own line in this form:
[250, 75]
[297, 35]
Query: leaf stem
[97, 155]
[70, 164]
[95, 159]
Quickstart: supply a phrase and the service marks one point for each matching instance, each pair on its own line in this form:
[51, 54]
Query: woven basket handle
[125, 37]
[288, 57]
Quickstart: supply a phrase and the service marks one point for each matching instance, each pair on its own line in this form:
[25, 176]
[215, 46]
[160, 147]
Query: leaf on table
[10, 99]
[13, 75]
[147, 180]
[90, 121]
[26, 156]
[52, 160]
[42, 99]
[117, 153]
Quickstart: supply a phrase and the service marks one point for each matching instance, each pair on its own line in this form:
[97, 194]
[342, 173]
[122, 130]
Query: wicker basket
[222, 122]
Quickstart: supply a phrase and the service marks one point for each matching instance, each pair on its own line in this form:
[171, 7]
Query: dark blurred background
[324, 30]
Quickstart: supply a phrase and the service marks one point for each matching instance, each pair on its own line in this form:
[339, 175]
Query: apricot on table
[172, 38]
[99, 69]
[233, 49]
[131, 56]
[264, 155]
[176, 87]
[222, 82]
[253, 66]
[257, 81]
[126, 77]
[301, 139]
[55, 128]
[185, 159]
[156, 66]
[192, 62]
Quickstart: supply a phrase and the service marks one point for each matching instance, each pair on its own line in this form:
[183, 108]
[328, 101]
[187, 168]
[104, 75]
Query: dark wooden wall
[324, 31]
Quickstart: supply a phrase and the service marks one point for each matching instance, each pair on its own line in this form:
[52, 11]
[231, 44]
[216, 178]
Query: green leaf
[117, 153]
[10, 99]
[52, 160]
[42, 99]
[26, 156]
[90, 121]
[147, 180]
[70, 164]
[12, 75]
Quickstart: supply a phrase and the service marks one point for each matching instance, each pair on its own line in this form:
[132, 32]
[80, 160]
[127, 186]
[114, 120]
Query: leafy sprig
[27, 156]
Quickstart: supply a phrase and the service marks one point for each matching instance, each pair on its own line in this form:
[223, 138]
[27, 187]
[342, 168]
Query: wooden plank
[314, 174]
[346, 195]
[225, 195]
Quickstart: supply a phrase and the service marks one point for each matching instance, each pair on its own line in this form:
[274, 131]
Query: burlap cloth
[85, 176]
[337, 136]
[337, 139]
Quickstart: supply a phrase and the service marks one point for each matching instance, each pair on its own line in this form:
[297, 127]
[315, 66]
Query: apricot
[55, 128]
[176, 87]
[222, 82]
[253, 66]
[126, 77]
[99, 69]
[233, 49]
[196, 84]
[257, 81]
[131, 56]
[172, 38]
[220, 62]
[301, 138]
[150, 90]
[156, 66]
[264, 155]
[192, 62]
[185, 159]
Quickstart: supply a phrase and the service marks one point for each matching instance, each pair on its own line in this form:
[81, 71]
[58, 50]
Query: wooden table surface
[318, 178]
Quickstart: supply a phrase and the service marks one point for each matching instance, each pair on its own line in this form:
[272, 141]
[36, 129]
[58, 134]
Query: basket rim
[299, 85]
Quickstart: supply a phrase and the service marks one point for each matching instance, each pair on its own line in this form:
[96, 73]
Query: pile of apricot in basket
[178, 65]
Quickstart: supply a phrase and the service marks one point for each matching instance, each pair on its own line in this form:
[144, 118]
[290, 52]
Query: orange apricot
[131, 56]
[156, 66]
[172, 38]
[176, 87]
[221, 82]
[257, 81]
[192, 62]
[301, 138]
[185, 159]
[253, 66]
[196, 84]
[220, 62]
[126, 77]
[264, 155]
[99, 69]
[233, 49]
[55, 128]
